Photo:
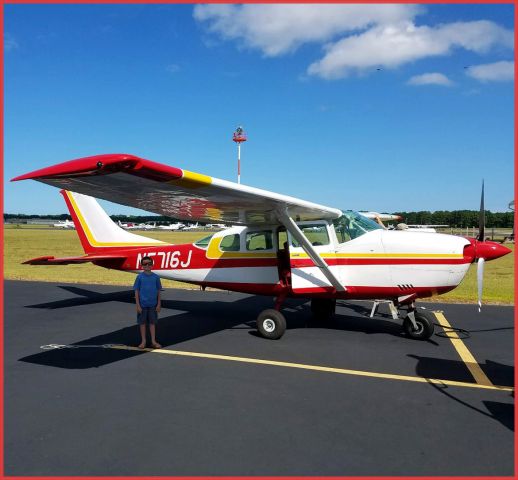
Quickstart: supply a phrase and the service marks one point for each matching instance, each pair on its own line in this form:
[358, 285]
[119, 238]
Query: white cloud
[279, 29]
[360, 37]
[9, 43]
[430, 79]
[492, 72]
[173, 68]
[393, 45]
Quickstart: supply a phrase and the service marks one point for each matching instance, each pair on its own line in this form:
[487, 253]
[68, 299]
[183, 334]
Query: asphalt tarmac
[351, 397]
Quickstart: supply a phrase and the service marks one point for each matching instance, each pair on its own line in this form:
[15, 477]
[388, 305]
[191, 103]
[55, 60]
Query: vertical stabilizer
[96, 229]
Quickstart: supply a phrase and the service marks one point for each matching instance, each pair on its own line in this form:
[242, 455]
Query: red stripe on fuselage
[358, 292]
[189, 256]
[303, 263]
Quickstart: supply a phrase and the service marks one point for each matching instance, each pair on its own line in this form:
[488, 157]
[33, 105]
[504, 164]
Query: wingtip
[78, 165]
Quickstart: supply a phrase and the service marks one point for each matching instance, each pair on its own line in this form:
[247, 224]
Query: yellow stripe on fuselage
[91, 239]
[381, 255]
[214, 252]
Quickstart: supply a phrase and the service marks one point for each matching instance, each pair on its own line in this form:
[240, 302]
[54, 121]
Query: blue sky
[386, 108]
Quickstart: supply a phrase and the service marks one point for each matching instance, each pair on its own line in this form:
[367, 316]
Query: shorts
[148, 315]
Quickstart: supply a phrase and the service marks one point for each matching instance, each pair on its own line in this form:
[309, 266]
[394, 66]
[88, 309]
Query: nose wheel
[271, 324]
[419, 324]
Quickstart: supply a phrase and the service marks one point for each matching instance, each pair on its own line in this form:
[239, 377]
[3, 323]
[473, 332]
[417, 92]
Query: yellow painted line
[473, 366]
[317, 368]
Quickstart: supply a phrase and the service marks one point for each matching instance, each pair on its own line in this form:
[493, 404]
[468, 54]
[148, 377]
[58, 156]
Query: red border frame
[14, 2]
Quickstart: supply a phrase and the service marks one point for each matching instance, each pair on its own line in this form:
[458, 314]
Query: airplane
[380, 217]
[127, 226]
[420, 228]
[191, 227]
[65, 224]
[172, 226]
[146, 226]
[278, 246]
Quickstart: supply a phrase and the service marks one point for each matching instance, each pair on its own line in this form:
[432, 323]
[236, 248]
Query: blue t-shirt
[148, 286]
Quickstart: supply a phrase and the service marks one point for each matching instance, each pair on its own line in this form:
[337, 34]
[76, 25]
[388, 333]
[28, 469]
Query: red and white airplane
[278, 245]
[127, 225]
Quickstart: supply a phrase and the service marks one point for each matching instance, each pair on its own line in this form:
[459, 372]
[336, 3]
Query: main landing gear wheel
[271, 324]
[425, 325]
[323, 308]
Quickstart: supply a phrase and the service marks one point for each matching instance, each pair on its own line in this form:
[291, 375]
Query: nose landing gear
[418, 324]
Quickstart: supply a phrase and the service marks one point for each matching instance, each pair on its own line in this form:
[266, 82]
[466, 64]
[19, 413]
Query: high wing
[174, 192]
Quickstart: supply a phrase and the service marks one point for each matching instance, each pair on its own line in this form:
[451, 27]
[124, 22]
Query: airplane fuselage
[377, 264]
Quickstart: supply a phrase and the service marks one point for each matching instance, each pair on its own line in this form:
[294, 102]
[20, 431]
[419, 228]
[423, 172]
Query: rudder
[96, 229]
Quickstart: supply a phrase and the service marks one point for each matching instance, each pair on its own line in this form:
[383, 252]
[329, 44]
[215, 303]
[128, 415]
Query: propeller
[480, 281]
[481, 217]
[480, 238]
[483, 250]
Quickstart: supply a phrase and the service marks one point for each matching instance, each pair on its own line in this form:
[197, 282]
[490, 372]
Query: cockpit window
[352, 225]
[203, 242]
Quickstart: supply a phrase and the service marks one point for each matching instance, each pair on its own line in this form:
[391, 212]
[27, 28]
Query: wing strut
[293, 228]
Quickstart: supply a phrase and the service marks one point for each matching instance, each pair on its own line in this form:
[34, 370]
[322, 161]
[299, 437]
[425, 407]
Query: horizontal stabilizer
[100, 259]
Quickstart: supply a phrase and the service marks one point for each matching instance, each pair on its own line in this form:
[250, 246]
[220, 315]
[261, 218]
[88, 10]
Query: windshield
[353, 225]
[203, 242]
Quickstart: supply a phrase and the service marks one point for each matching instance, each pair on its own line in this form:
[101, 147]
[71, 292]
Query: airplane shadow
[356, 318]
[86, 297]
[348, 321]
[498, 373]
[197, 320]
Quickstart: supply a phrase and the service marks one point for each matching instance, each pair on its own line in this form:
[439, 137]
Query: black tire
[323, 308]
[271, 324]
[425, 325]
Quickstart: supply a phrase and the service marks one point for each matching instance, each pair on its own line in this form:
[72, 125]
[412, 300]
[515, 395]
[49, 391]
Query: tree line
[458, 218]
[455, 219]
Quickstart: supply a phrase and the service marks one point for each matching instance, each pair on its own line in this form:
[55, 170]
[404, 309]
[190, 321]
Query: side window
[316, 234]
[230, 243]
[259, 240]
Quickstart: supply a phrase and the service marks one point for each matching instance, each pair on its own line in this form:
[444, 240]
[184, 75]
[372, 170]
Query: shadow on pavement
[436, 368]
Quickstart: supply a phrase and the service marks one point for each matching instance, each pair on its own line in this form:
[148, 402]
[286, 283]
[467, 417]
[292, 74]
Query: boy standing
[147, 288]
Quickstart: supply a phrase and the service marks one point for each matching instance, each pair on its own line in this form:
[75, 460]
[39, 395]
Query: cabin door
[306, 277]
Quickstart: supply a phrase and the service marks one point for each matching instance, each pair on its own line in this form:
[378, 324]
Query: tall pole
[239, 162]
[239, 137]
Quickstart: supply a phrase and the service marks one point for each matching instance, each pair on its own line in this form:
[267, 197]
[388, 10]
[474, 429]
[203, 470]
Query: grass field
[22, 244]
